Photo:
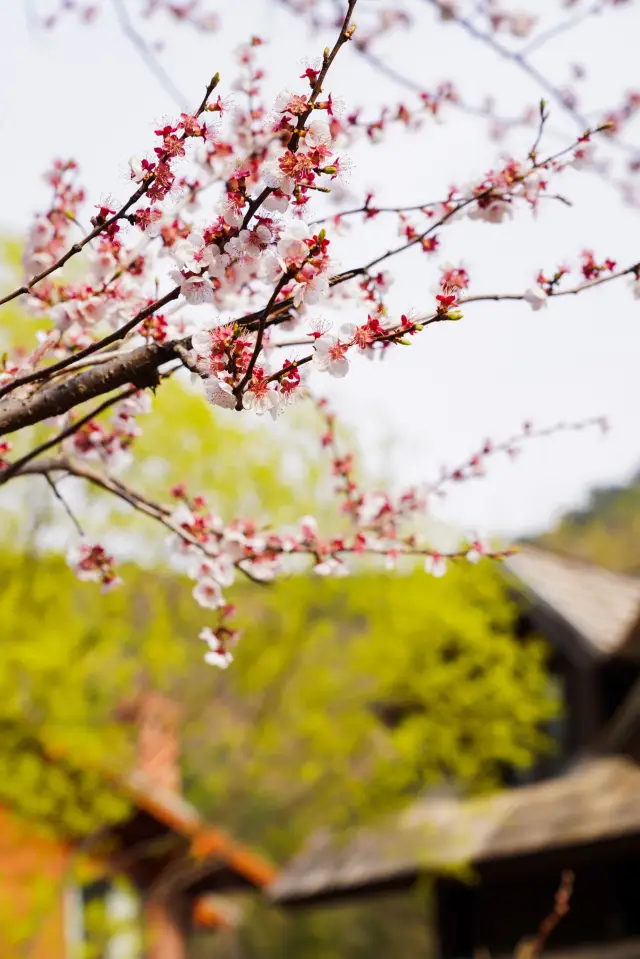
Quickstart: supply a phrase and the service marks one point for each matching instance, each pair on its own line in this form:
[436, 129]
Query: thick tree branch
[139, 367]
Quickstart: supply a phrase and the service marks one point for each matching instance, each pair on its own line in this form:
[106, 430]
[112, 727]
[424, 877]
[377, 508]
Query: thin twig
[16, 466]
[533, 948]
[147, 56]
[546, 35]
[67, 508]
[520, 60]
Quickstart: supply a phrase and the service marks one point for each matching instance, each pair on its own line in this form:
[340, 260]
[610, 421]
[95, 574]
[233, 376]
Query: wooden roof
[600, 609]
[598, 800]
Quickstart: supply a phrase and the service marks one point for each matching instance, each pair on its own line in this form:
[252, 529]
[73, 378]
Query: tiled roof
[600, 606]
[599, 799]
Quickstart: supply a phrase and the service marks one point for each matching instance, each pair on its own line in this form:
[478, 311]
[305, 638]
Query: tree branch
[138, 367]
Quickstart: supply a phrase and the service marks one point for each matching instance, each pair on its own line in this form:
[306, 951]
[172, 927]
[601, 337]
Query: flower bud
[455, 315]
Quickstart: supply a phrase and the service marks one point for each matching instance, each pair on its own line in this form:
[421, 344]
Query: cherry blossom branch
[473, 468]
[580, 288]
[114, 337]
[140, 364]
[458, 206]
[239, 389]
[103, 224]
[162, 514]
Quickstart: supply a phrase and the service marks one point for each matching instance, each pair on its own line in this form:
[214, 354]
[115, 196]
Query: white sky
[84, 92]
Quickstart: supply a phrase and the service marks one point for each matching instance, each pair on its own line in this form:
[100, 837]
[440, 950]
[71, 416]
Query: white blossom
[276, 204]
[291, 243]
[137, 172]
[195, 289]
[216, 655]
[216, 261]
[272, 267]
[495, 212]
[263, 402]
[310, 291]
[275, 179]
[189, 253]
[435, 565]
[219, 393]
[331, 566]
[329, 358]
[536, 298]
[207, 593]
[318, 132]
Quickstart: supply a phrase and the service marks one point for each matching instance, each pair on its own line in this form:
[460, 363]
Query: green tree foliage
[606, 531]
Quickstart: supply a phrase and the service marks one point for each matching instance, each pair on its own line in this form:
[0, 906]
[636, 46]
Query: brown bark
[138, 367]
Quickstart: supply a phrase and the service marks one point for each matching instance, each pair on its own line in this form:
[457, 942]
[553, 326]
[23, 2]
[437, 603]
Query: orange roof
[214, 912]
[173, 810]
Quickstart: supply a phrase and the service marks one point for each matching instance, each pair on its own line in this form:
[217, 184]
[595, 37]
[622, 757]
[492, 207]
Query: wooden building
[158, 875]
[579, 809]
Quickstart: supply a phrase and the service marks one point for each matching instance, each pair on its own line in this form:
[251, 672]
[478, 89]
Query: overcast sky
[84, 92]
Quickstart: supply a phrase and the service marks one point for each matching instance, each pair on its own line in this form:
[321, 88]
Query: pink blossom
[309, 527]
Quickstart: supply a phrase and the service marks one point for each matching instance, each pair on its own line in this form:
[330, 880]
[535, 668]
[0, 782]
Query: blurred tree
[606, 531]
